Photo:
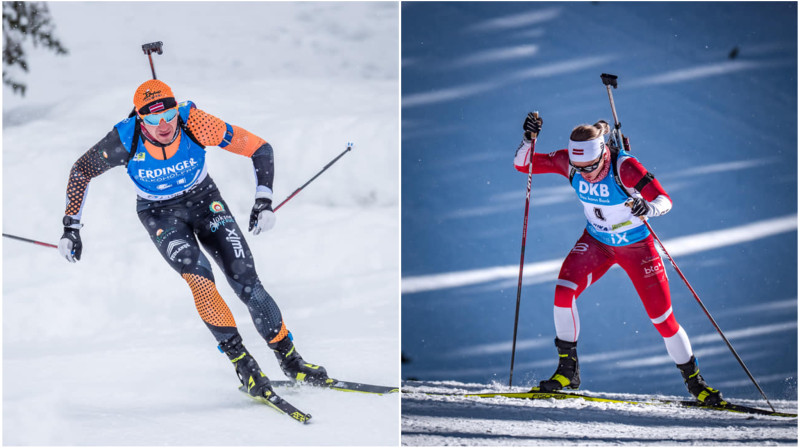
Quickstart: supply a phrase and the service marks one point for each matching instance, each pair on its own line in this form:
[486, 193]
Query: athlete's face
[163, 131]
[591, 175]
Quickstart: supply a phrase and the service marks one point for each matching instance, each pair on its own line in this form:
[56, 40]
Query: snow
[110, 351]
[436, 420]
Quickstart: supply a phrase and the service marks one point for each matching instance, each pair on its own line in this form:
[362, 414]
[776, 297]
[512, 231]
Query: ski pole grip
[535, 134]
[629, 204]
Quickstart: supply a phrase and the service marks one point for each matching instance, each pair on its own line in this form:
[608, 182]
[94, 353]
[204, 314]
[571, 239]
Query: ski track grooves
[434, 420]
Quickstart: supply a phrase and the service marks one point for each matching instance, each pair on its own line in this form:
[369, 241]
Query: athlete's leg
[643, 264]
[176, 242]
[586, 263]
[221, 236]
[224, 240]
[172, 234]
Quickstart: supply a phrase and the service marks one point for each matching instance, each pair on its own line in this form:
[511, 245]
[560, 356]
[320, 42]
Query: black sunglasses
[587, 169]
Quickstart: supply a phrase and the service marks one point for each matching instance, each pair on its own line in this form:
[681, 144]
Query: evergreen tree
[22, 20]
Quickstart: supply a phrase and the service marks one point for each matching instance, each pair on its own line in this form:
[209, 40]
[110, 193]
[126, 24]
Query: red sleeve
[556, 162]
[631, 172]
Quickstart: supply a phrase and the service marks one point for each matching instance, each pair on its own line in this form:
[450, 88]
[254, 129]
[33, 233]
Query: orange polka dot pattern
[212, 308]
[210, 130]
[282, 334]
[90, 165]
[244, 143]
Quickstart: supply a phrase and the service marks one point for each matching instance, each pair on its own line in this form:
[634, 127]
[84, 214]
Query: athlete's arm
[106, 154]
[212, 131]
[556, 162]
[635, 177]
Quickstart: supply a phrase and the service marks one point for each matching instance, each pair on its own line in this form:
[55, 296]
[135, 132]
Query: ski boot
[697, 385]
[568, 373]
[293, 364]
[247, 369]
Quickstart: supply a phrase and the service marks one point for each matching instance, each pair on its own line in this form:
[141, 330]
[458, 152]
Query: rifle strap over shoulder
[137, 132]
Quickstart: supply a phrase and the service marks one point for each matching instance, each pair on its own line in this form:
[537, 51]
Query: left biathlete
[163, 147]
[616, 191]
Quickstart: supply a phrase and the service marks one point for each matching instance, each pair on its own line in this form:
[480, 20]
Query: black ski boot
[293, 364]
[247, 369]
[568, 373]
[697, 385]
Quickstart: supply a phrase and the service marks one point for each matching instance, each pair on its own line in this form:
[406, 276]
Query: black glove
[639, 207]
[532, 125]
[70, 246]
[261, 216]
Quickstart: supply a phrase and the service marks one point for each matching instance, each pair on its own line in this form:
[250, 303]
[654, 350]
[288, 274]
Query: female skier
[615, 190]
[162, 146]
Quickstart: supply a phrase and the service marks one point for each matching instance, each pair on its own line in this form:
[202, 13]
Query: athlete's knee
[566, 291]
[210, 305]
[197, 264]
[241, 272]
[668, 326]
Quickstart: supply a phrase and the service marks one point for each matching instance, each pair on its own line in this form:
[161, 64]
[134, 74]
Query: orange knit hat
[153, 96]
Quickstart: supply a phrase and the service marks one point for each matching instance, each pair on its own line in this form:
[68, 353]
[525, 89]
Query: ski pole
[522, 254]
[705, 310]
[611, 81]
[349, 147]
[19, 238]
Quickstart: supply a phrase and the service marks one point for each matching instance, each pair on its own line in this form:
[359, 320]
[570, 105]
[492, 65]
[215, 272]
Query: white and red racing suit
[613, 235]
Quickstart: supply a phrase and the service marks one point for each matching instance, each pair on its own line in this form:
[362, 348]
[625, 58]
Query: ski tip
[350, 145]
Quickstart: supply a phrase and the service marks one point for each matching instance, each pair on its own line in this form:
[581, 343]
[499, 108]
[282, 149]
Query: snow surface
[110, 351]
[430, 420]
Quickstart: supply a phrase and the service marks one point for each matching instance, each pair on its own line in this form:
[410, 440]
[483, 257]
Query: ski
[537, 395]
[279, 404]
[345, 386]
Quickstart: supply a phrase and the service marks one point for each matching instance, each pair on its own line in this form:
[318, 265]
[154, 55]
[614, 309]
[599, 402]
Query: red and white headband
[587, 151]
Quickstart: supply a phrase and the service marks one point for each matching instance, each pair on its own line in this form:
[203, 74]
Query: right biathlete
[605, 178]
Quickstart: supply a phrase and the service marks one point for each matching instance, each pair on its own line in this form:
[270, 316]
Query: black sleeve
[106, 154]
[264, 165]
[111, 149]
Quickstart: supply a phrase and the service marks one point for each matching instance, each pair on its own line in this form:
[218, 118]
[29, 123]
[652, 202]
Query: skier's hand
[639, 207]
[531, 125]
[261, 217]
[70, 246]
